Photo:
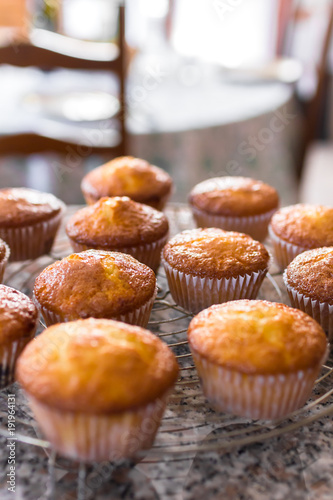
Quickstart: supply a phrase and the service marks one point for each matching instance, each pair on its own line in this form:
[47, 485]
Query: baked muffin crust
[127, 176]
[234, 196]
[18, 315]
[257, 337]
[3, 250]
[311, 273]
[215, 253]
[95, 283]
[117, 222]
[22, 206]
[309, 226]
[97, 366]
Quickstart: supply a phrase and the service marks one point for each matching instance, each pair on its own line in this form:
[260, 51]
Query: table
[191, 121]
[213, 127]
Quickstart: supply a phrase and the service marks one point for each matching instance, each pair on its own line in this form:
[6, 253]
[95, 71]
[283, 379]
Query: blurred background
[198, 87]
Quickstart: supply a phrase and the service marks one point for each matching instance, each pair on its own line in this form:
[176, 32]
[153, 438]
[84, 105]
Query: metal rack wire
[189, 425]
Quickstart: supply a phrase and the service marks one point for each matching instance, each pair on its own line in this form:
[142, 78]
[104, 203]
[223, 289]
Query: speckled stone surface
[293, 466]
[297, 466]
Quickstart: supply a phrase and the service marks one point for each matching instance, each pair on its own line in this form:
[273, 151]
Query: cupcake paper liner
[30, 242]
[284, 252]
[4, 261]
[149, 253]
[254, 225]
[138, 317]
[322, 312]
[89, 198]
[161, 202]
[255, 396]
[95, 438]
[9, 354]
[195, 294]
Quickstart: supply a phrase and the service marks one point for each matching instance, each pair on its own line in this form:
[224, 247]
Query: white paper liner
[34, 240]
[138, 317]
[149, 253]
[254, 225]
[89, 198]
[284, 252]
[255, 396]
[4, 261]
[95, 438]
[322, 312]
[160, 204]
[195, 294]
[10, 353]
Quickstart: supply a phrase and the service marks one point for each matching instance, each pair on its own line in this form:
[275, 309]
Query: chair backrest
[305, 32]
[13, 14]
[50, 50]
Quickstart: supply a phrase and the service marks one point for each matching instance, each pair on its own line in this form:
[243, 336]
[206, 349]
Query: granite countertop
[293, 466]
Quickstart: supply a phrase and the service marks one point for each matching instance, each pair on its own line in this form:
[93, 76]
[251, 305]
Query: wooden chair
[48, 50]
[290, 12]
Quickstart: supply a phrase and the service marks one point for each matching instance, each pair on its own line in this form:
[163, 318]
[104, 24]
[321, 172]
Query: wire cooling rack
[189, 425]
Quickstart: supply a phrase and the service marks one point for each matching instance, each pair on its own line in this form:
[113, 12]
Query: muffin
[100, 391]
[29, 221]
[122, 225]
[257, 359]
[210, 266]
[4, 256]
[18, 322]
[309, 281]
[128, 176]
[96, 284]
[301, 227]
[234, 204]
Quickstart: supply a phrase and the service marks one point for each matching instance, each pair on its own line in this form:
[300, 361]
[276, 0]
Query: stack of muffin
[96, 379]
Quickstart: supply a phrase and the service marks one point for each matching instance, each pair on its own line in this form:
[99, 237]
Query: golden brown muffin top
[97, 366]
[18, 315]
[311, 273]
[258, 337]
[95, 283]
[21, 206]
[236, 196]
[127, 176]
[117, 222]
[309, 226]
[215, 253]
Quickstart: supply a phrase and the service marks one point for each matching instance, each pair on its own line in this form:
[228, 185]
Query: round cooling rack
[189, 425]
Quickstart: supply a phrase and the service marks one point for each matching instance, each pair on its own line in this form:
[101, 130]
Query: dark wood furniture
[48, 50]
